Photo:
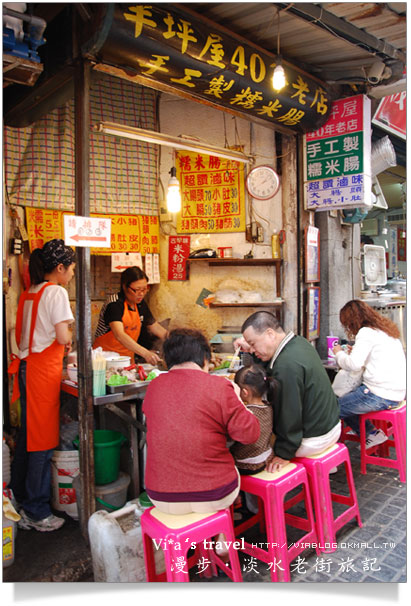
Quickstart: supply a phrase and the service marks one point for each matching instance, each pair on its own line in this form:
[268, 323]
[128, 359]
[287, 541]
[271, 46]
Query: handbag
[346, 381]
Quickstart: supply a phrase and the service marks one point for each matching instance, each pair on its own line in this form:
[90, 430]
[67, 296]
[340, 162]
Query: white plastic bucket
[65, 466]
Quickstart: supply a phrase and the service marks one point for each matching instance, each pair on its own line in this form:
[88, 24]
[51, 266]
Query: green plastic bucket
[144, 500]
[107, 444]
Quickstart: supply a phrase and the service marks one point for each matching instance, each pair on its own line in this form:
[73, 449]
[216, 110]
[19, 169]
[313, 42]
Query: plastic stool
[318, 469]
[176, 533]
[393, 422]
[272, 488]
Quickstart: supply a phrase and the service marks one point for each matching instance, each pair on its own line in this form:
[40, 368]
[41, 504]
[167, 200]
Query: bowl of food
[118, 363]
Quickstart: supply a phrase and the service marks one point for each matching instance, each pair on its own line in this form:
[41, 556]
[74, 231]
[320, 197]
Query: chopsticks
[233, 361]
[99, 362]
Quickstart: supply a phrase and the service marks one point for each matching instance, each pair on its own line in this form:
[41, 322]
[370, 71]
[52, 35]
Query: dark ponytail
[36, 267]
[253, 377]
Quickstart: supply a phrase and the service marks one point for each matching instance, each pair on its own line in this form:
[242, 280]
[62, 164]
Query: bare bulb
[173, 196]
[278, 77]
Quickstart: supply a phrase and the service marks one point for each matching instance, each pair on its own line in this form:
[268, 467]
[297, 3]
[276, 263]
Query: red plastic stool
[393, 422]
[272, 488]
[318, 469]
[177, 533]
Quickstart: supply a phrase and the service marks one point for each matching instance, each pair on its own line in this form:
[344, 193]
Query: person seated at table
[123, 317]
[257, 391]
[378, 351]
[190, 416]
[306, 412]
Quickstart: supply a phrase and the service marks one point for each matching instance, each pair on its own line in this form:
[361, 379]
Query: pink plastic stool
[318, 469]
[175, 534]
[272, 488]
[393, 422]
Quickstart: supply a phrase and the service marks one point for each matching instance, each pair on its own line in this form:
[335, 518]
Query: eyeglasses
[138, 291]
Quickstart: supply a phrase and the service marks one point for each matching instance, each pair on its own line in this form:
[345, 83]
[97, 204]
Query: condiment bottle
[275, 245]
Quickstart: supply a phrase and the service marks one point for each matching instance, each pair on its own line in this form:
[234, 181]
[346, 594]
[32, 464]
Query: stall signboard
[337, 158]
[212, 194]
[178, 251]
[129, 233]
[391, 114]
[169, 47]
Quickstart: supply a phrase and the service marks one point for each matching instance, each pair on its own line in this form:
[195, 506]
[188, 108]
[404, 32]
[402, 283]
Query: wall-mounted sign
[87, 231]
[212, 192]
[170, 47]
[121, 261]
[178, 251]
[313, 313]
[312, 254]
[391, 114]
[129, 233]
[337, 158]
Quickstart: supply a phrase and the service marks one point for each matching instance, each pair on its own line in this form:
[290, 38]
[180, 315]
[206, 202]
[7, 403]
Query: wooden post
[83, 308]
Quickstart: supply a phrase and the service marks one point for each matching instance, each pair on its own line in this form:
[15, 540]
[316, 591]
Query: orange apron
[43, 380]
[132, 327]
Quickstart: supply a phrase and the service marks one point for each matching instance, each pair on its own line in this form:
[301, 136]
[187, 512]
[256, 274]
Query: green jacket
[306, 405]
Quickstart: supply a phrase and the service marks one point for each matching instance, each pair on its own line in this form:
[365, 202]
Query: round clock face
[262, 182]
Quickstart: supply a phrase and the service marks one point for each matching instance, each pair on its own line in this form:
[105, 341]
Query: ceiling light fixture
[278, 80]
[182, 142]
[173, 192]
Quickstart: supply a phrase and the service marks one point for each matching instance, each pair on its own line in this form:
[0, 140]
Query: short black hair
[186, 345]
[260, 321]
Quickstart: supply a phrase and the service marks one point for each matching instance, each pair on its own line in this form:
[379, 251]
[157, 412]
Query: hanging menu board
[129, 233]
[212, 193]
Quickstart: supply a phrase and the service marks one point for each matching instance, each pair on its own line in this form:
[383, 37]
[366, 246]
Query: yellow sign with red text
[212, 194]
[129, 233]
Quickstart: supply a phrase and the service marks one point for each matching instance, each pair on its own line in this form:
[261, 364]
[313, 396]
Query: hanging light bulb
[278, 80]
[173, 192]
[278, 77]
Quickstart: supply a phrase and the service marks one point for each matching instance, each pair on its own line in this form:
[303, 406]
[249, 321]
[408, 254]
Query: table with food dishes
[124, 391]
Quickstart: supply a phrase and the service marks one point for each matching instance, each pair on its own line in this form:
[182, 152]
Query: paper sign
[178, 251]
[120, 261]
[148, 267]
[87, 231]
[156, 268]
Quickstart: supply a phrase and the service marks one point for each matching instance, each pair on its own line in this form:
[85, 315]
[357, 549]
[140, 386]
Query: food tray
[126, 387]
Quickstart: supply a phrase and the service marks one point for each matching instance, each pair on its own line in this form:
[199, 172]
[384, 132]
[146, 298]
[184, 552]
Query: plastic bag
[346, 381]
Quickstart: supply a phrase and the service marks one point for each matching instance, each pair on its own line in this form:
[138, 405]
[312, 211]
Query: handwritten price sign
[87, 231]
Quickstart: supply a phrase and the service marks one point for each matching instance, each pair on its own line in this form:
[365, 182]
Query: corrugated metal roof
[337, 41]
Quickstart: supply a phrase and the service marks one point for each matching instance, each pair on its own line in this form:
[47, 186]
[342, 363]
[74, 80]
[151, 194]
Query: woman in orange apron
[123, 316]
[42, 334]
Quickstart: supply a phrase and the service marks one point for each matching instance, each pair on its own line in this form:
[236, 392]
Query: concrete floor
[375, 553]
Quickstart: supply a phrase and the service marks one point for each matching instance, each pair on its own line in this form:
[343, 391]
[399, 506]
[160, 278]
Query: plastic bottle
[275, 245]
[6, 463]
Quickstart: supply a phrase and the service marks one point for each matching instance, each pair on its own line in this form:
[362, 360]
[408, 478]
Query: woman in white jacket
[379, 353]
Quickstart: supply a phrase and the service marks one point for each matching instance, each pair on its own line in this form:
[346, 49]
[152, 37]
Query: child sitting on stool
[257, 391]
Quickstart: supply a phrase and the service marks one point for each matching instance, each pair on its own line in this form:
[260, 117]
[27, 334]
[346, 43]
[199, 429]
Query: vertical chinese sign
[178, 251]
[212, 192]
[337, 158]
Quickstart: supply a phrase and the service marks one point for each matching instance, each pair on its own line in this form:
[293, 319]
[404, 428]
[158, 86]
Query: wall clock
[262, 182]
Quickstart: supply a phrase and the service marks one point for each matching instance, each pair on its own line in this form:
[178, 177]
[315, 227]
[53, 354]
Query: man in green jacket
[306, 411]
